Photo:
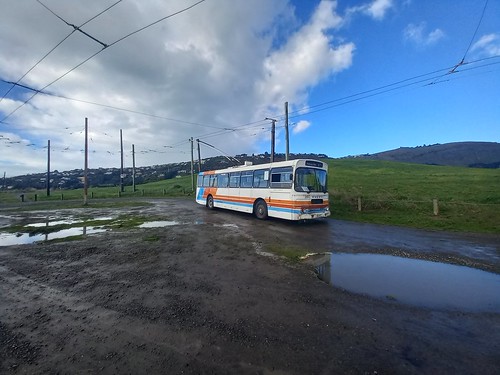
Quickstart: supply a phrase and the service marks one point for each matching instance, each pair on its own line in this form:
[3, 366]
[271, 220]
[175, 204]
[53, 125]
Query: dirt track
[201, 298]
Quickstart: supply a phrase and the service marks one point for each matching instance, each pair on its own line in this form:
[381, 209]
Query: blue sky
[217, 70]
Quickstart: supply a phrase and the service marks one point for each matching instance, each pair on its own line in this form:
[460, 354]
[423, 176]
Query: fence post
[119, 193]
[142, 192]
[91, 194]
[36, 197]
[359, 204]
[62, 196]
[435, 207]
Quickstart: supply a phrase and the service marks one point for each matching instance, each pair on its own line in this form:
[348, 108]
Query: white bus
[293, 190]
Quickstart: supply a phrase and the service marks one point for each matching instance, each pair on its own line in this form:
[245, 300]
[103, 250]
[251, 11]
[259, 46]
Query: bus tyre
[261, 210]
[210, 202]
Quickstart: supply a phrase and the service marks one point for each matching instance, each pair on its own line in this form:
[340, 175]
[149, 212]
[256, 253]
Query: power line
[299, 113]
[419, 79]
[98, 52]
[75, 28]
[475, 31]
[57, 45]
[112, 107]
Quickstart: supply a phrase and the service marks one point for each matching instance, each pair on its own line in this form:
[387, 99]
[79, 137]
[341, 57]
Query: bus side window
[213, 180]
[246, 179]
[234, 179]
[206, 180]
[261, 178]
[223, 180]
[281, 177]
[200, 181]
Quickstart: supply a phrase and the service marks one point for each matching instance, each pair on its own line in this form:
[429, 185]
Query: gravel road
[204, 297]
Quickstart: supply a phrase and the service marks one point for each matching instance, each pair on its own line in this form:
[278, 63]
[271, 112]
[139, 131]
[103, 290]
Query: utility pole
[4, 181]
[192, 164]
[133, 168]
[287, 137]
[199, 155]
[121, 164]
[85, 174]
[48, 168]
[273, 131]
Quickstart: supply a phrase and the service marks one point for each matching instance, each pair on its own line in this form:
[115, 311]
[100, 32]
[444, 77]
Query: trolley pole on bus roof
[273, 131]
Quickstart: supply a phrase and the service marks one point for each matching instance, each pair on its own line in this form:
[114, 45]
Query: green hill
[458, 154]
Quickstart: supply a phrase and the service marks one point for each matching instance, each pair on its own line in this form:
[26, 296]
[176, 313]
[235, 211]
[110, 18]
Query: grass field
[390, 192]
[403, 193]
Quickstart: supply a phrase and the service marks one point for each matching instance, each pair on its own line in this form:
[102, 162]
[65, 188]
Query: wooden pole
[48, 168]
[133, 168]
[435, 206]
[199, 155]
[121, 161]
[85, 171]
[359, 203]
[192, 164]
[287, 135]
[273, 132]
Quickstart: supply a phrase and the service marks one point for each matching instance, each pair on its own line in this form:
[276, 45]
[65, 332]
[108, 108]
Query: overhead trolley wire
[75, 28]
[475, 32]
[98, 52]
[57, 45]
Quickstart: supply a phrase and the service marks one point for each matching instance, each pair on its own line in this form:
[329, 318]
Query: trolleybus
[293, 190]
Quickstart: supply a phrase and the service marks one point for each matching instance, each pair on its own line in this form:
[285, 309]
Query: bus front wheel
[261, 210]
[210, 202]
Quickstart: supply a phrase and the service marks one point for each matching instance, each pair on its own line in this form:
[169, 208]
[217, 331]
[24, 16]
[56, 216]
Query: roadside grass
[177, 187]
[402, 194]
[292, 253]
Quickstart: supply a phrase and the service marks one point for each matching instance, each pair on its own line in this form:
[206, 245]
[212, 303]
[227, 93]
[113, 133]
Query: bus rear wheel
[210, 202]
[260, 210]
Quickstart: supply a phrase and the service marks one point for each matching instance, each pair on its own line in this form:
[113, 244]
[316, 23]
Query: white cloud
[305, 59]
[417, 34]
[214, 67]
[377, 9]
[488, 45]
[301, 126]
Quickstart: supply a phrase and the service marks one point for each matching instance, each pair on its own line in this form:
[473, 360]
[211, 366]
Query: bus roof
[287, 163]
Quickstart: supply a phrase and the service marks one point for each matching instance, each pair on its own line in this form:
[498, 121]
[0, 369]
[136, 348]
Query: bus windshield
[310, 180]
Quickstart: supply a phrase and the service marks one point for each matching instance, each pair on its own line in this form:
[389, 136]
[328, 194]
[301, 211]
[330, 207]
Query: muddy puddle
[46, 229]
[158, 224]
[7, 239]
[411, 281]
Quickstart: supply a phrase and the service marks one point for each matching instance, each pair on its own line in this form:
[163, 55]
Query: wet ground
[194, 292]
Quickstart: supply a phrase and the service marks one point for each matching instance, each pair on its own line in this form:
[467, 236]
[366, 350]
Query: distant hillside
[459, 154]
[111, 176]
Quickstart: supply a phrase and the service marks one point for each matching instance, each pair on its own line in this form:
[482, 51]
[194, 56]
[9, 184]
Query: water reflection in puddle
[158, 224]
[49, 222]
[7, 239]
[411, 281]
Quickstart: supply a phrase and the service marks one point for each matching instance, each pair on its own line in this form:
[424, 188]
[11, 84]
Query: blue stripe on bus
[287, 210]
[200, 193]
[241, 204]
